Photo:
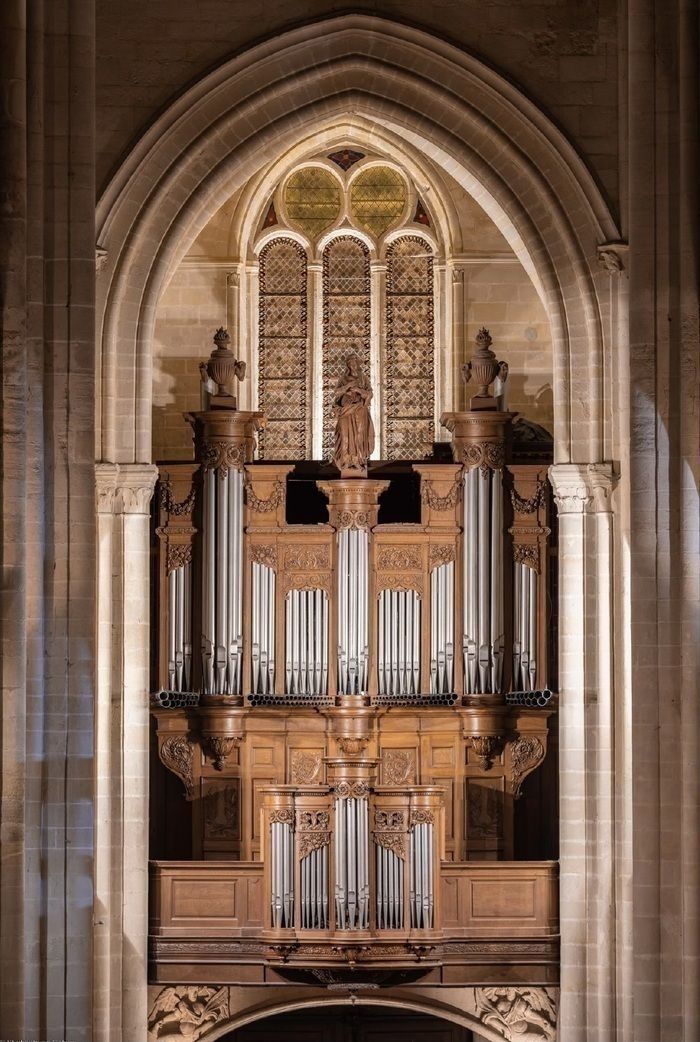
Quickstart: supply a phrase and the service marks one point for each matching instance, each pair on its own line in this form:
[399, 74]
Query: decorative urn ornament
[484, 367]
[222, 367]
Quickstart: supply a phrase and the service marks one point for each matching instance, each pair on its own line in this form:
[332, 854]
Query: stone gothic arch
[507, 154]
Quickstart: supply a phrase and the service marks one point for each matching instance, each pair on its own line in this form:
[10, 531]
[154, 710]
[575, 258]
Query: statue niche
[354, 430]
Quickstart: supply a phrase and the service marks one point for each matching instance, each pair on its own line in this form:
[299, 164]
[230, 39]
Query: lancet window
[346, 318]
[409, 386]
[283, 350]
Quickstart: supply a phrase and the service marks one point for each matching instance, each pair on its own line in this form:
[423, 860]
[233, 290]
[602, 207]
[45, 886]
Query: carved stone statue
[354, 430]
[220, 370]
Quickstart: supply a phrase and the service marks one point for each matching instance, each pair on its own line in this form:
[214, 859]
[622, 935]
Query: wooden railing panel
[206, 899]
[499, 899]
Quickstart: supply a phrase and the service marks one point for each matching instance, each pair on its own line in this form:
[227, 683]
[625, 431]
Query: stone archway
[527, 176]
[494, 1014]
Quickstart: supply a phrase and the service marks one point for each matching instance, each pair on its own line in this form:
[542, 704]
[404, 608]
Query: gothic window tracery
[282, 351]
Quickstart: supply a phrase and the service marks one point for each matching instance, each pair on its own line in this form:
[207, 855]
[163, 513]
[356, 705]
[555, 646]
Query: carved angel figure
[354, 430]
[519, 1014]
[187, 1013]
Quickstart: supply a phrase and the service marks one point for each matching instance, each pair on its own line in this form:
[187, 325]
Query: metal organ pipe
[351, 864]
[281, 874]
[483, 639]
[421, 884]
[353, 642]
[306, 642]
[222, 582]
[442, 629]
[180, 628]
[263, 629]
[398, 642]
[524, 627]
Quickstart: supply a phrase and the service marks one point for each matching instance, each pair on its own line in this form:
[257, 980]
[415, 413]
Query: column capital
[124, 488]
[583, 488]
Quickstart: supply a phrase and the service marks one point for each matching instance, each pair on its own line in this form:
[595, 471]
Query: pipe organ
[353, 704]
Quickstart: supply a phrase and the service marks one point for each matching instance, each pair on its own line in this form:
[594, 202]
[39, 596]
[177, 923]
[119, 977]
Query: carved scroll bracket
[177, 754]
[526, 753]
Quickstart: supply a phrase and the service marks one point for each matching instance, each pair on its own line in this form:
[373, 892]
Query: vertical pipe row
[222, 582]
[483, 581]
[281, 875]
[442, 628]
[353, 636]
[180, 628]
[306, 642]
[263, 629]
[524, 627]
[314, 889]
[398, 642]
[421, 885]
[389, 892]
[351, 864]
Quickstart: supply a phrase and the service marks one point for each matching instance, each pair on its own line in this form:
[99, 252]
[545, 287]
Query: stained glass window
[283, 348]
[312, 199]
[346, 318]
[409, 378]
[377, 198]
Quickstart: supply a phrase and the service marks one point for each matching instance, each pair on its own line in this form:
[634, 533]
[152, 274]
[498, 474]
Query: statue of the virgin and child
[354, 430]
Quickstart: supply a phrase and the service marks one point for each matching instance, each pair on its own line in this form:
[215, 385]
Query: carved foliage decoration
[285, 816]
[355, 790]
[188, 1012]
[307, 557]
[177, 556]
[441, 553]
[346, 320]
[305, 767]
[313, 828]
[399, 557]
[487, 748]
[352, 745]
[441, 503]
[398, 766]
[283, 350]
[222, 456]
[527, 554]
[173, 509]
[352, 519]
[267, 505]
[527, 752]
[264, 554]
[409, 391]
[396, 581]
[422, 817]
[518, 1014]
[220, 806]
[532, 504]
[220, 747]
[177, 754]
[390, 830]
[486, 455]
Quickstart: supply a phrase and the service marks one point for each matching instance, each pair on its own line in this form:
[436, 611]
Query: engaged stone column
[121, 754]
[582, 494]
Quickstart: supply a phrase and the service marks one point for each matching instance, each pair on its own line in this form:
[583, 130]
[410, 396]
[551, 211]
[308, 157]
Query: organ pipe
[353, 634]
[399, 642]
[483, 638]
[306, 642]
[222, 582]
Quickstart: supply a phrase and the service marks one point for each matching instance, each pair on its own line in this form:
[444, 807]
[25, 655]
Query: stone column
[586, 736]
[122, 750]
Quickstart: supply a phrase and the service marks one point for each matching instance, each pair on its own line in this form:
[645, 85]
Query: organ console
[353, 704]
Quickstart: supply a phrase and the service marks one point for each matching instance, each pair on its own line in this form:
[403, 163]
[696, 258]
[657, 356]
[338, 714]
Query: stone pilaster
[124, 493]
[586, 728]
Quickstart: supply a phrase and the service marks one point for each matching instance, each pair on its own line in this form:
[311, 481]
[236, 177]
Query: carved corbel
[220, 747]
[487, 748]
[526, 753]
[176, 752]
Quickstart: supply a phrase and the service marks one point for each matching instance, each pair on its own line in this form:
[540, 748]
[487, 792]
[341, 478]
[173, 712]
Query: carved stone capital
[583, 488]
[125, 488]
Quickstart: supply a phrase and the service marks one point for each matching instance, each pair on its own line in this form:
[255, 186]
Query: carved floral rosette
[264, 553]
[356, 790]
[282, 816]
[419, 816]
[441, 553]
[486, 455]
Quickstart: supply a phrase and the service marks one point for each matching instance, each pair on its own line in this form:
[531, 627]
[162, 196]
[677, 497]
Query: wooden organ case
[352, 708]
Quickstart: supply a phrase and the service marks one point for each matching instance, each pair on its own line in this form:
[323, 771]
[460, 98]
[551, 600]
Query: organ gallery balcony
[472, 922]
